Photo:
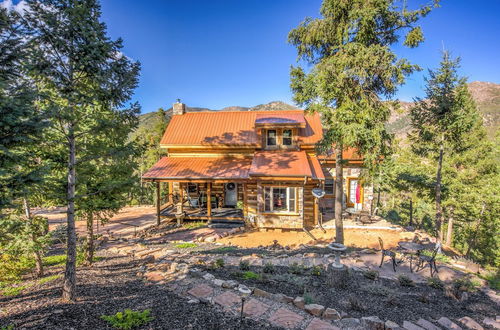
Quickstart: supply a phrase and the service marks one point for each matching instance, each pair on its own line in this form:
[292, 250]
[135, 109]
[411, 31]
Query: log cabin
[254, 167]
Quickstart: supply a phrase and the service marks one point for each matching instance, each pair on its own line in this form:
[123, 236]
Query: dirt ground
[120, 224]
[362, 238]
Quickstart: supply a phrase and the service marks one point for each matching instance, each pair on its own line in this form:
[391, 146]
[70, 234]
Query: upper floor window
[271, 137]
[287, 137]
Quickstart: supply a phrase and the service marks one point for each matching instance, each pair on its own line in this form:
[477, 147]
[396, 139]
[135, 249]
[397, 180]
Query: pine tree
[354, 70]
[441, 123]
[81, 76]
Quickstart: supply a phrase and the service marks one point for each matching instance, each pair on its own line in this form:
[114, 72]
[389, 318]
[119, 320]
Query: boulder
[299, 302]
[331, 314]
[314, 309]
[410, 326]
[448, 324]
[350, 323]
[427, 325]
[208, 277]
[154, 276]
[389, 325]
[217, 282]
[470, 323]
[261, 293]
[492, 323]
[373, 323]
[210, 239]
[282, 298]
[230, 284]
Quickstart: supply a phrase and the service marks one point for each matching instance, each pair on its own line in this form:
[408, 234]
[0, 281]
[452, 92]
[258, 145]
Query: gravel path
[110, 286]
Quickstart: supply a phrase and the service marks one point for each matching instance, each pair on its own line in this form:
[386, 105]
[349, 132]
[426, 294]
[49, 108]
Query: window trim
[275, 138]
[283, 137]
[284, 212]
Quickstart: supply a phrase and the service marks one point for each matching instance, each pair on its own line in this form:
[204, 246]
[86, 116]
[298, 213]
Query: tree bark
[449, 232]
[439, 209]
[36, 253]
[69, 285]
[89, 250]
[339, 194]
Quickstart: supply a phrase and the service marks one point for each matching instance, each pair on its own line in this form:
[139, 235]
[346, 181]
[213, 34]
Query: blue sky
[234, 52]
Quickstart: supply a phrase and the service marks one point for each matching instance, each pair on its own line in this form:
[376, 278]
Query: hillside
[486, 95]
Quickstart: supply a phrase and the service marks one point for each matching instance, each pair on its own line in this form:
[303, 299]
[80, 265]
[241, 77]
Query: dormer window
[287, 137]
[271, 137]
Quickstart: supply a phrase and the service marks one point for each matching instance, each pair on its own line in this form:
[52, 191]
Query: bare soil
[362, 238]
[108, 287]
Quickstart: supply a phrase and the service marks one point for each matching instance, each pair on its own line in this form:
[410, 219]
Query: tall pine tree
[354, 70]
[82, 75]
[441, 122]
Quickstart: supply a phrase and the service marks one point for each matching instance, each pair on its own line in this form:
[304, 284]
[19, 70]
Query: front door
[231, 194]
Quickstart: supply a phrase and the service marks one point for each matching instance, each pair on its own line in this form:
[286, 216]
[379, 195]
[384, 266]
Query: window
[329, 187]
[287, 137]
[192, 187]
[271, 137]
[280, 199]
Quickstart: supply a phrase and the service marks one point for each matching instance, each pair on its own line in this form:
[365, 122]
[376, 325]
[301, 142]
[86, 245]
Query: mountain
[486, 95]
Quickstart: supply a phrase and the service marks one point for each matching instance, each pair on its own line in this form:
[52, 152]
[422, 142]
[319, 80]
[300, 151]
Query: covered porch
[200, 188]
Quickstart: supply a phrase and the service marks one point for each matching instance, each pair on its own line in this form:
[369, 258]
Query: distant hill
[486, 95]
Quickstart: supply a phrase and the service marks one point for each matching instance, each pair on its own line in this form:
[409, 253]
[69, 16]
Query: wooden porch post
[158, 203]
[170, 192]
[316, 210]
[209, 200]
[245, 210]
[180, 205]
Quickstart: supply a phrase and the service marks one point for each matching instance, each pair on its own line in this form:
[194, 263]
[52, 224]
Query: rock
[154, 276]
[427, 325]
[373, 323]
[331, 314]
[209, 277]
[193, 301]
[470, 323]
[282, 298]
[229, 284]
[261, 293]
[448, 324]
[210, 239]
[410, 326]
[299, 302]
[350, 323]
[148, 259]
[492, 323]
[173, 267]
[343, 315]
[57, 311]
[314, 309]
[217, 282]
[389, 325]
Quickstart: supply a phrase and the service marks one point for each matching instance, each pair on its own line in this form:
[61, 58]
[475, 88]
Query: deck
[224, 213]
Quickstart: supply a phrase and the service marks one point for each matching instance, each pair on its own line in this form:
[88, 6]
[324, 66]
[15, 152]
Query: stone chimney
[179, 108]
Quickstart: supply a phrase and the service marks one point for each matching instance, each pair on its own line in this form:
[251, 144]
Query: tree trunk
[69, 285]
[339, 194]
[439, 209]
[36, 253]
[449, 233]
[89, 249]
[472, 242]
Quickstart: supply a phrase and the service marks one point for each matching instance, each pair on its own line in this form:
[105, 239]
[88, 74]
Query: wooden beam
[170, 192]
[158, 203]
[245, 211]
[316, 211]
[209, 199]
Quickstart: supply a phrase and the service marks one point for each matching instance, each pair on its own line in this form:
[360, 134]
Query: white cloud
[20, 7]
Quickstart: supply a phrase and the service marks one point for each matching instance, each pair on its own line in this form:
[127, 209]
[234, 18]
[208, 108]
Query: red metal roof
[287, 119]
[316, 170]
[200, 168]
[231, 128]
[280, 163]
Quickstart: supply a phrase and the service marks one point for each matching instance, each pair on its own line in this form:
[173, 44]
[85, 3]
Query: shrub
[128, 319]
[54, 260]
[224, 249]
[316, 271]
[268, 268]
[244, 265]
[378, 290]
[249, 275]
[8, 327]
[493, 279]
[14, 266]
[371, 274]
[355, 304]
[464, 284]
[186, 245]
[59, 234]
[435, 283]
[296, 269]
[308, 299]
[405, 280]
[219, 263]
